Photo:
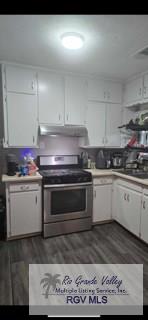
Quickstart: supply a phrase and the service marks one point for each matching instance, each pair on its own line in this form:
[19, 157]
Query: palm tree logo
[50, 281]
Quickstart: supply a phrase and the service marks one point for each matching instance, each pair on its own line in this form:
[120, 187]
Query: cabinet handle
[140, 90]
[128, 198]
[36, 199]
[67, 117]
[125, 196]
[33, 139]
[143, 204]
[144, 90]
[59, 116]
[104, 94]
[32, 85]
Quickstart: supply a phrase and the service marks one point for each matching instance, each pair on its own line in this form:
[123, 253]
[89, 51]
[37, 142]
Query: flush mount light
[72, 40]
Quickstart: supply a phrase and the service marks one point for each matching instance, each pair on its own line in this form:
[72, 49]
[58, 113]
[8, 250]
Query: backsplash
[47, 146]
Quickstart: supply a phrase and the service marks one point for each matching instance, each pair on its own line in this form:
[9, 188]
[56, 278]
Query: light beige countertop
[109, 172]
[6, 178]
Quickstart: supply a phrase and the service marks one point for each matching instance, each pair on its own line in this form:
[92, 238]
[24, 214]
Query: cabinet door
[102, 203]
[75, 101]
[97, 90]
[21, 80]
[51, 98]
[129, 206]
[95, 123]
[25, 211]
[22, 120]
[144, 219]
[113, 120]
[113, 92]
[145, 89]
[133, 91]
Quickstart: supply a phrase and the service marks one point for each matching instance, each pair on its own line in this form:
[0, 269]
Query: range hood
[74, 131]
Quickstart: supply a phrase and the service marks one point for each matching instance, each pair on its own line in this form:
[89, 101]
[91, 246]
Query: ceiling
[110, 42]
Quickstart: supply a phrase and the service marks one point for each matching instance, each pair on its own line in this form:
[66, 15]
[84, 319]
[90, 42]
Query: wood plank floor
[108, 243]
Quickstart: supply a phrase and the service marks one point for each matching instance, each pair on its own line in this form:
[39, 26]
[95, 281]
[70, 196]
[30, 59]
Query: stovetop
[59, 176]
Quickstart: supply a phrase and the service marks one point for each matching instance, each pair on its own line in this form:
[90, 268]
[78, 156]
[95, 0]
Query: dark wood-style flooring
[108, 243]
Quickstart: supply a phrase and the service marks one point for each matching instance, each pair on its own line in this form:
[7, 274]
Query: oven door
[64, 202]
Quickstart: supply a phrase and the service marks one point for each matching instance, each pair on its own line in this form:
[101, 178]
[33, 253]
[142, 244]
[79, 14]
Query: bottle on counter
[89, 163]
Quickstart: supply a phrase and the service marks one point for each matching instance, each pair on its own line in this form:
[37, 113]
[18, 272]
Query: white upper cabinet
[21, 80]
[133, 91]
[19, 106]
[105, 91]
[75, 100]
[95, 123]
[22, 120]
[96, 90]
[145, 86]
[113, 120]
[113, 92]
[51, 98]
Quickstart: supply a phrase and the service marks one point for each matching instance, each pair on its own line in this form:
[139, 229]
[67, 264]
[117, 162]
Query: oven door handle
[67, 185]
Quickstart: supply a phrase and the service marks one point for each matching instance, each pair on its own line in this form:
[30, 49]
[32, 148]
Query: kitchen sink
[134, 173]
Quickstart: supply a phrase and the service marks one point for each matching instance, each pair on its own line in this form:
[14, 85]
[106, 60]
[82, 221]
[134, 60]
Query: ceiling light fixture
[72, 40]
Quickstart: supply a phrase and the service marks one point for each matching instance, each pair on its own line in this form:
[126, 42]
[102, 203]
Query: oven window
[66, 201]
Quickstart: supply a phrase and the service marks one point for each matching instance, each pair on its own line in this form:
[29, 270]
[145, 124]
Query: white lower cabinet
[102, 200]
[23, 209]
[144, 217]
[128, 199]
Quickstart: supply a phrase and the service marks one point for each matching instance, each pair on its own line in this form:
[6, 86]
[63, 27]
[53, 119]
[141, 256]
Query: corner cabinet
[102, 199]
[128, 197]
[104, 91]
[75, 100]
[102, 121]
[19, 103]
[23, 209]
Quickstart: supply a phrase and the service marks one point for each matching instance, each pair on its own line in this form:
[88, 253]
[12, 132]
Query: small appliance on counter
[117, 160]
[131, 161]
[12, 165]
[100, 160]
[84, 160]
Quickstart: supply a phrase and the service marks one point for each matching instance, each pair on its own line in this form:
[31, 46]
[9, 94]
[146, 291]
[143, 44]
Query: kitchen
[73, 144]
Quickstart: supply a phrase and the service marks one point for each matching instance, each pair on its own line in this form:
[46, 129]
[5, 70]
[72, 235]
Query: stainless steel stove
[67, 195]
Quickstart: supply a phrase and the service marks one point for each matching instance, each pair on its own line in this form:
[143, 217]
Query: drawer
[129, 185]
[102, 180]
[19, 187]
